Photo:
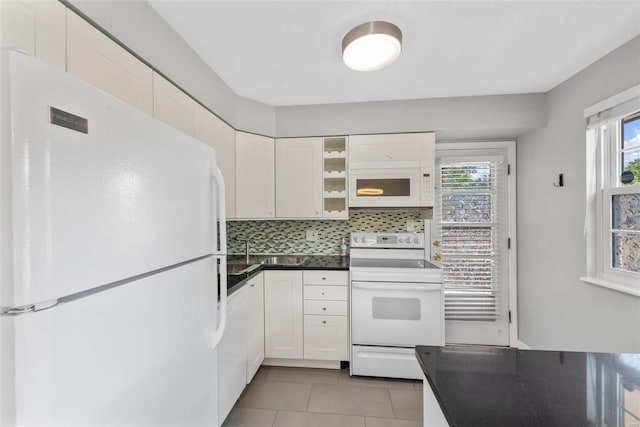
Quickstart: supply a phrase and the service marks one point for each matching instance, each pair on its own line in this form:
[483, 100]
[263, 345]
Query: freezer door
[81, 210]
[139, 354]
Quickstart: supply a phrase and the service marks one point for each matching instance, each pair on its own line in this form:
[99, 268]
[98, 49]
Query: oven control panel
[387, 240]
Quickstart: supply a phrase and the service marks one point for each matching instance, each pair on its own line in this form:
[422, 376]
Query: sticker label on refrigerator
[68, 120]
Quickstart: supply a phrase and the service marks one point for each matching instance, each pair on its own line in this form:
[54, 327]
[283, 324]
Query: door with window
[470, 242]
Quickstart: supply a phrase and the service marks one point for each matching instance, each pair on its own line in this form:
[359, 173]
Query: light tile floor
[301, 397]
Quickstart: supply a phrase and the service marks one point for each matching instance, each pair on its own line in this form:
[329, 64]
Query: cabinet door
[254, 176]
[36, 27]
[255, 350]
[392, 147]
[299, 178]
[325, 337]
[100, 61]
[283, 314]
[174, 107]
[222, 137]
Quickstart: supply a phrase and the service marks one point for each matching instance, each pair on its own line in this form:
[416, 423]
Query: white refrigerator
[112, 244]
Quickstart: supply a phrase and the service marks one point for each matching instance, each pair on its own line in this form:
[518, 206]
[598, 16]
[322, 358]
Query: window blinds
[470, 210]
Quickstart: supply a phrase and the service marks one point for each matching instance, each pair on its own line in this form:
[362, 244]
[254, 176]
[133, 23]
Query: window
[613, 193]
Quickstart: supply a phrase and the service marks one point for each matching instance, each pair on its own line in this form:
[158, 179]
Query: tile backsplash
[289, 236]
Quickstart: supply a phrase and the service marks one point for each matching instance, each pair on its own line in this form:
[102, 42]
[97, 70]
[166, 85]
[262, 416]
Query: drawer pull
[324, 321]
[324, 278]
[323, 293]
[324, 308]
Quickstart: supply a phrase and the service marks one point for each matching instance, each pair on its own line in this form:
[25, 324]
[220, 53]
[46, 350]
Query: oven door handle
[397, 286]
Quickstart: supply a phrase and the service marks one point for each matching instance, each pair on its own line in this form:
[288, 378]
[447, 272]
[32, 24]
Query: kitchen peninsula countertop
[489, 386]
[313, 262]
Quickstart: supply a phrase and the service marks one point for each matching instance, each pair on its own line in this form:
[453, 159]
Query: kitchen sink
[284, 260]
[237, 269]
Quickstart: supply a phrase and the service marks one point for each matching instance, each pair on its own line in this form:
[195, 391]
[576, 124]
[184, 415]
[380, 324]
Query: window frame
[604, 138]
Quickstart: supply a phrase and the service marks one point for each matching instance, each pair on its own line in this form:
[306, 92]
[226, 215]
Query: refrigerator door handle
[221, 255]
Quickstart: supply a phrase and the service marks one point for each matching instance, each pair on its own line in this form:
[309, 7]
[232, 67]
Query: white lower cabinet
[325, 337]
[326, 321]
[255, 347]
[232, 352]
[283, 314]
[306, 315]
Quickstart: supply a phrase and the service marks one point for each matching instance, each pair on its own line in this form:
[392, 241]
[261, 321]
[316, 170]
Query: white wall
[462, 118]
[556, 310]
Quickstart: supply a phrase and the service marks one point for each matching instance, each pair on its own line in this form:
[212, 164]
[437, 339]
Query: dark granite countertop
[488, 386]
[313, 262]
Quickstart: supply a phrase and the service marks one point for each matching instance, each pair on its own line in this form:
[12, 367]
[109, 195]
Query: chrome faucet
[246, 249]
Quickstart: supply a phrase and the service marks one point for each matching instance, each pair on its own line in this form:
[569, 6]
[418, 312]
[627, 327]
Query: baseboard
[302, 363]
[520, 345]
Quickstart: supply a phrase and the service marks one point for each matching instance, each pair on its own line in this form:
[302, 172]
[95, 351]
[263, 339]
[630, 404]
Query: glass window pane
[631, 162]
[466, 176]
[460, 207]
[467, 240]
[631, 133]
[626, 212]
[626, 251]
[468, 273]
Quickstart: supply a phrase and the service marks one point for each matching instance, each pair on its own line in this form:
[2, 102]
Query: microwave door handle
[397, 286]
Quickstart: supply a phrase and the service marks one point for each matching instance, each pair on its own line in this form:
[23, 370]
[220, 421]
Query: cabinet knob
[323, 293]
[324, 308]
[252, 285]
[324, 321]
[324, 278]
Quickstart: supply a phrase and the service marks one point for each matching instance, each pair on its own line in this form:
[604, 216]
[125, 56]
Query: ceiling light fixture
[372, 46]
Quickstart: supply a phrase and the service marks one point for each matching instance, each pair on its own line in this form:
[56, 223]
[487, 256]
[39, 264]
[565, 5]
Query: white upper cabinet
[219, 135]
[100, 61]
[174, 107]
[36, 27]
[254, 176]
[299, 178]
[177, 109]
[392, 147]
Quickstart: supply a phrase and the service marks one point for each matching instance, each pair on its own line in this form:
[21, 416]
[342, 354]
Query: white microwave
[391, 184]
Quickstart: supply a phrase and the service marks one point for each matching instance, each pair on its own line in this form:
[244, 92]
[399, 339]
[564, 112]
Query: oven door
[399, 314]
[384, 184]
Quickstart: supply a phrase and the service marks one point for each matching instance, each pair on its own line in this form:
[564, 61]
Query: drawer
[326, 292]
[325, 277]
[331, 308]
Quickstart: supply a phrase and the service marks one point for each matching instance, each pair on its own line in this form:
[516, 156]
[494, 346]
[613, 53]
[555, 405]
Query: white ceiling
[289, 52]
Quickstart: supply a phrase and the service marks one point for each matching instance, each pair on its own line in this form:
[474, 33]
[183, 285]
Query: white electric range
[397, 302]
